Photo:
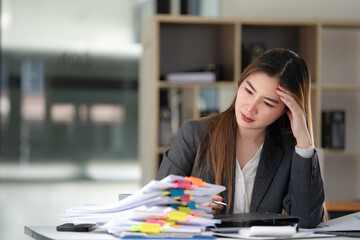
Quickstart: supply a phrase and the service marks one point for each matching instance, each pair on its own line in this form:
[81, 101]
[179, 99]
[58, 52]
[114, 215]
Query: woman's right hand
[213, 205]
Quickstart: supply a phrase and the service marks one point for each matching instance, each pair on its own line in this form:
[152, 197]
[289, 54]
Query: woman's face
[257, 104]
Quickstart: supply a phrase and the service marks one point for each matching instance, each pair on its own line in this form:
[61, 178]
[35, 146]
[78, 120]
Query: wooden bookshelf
[343, 206]
[183, 43]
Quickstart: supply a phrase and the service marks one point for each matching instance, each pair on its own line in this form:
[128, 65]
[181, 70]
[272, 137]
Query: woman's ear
[285, 110]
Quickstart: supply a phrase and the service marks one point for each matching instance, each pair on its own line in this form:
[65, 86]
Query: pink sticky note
[183, 184]
[185, 198]
[188, 218]
[155, 221]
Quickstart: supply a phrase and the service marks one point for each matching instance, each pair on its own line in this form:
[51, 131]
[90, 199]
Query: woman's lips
[246, 119]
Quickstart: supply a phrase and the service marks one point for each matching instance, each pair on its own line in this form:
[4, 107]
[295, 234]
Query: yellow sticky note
[135, 228]
[166, 193]
[185, 210]
[150, 227]
[177, 216]
[170, 223]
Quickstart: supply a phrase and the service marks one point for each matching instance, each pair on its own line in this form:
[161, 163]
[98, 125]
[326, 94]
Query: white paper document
[349, 222]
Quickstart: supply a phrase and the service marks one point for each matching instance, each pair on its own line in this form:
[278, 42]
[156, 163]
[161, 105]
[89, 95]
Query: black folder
[233, 222]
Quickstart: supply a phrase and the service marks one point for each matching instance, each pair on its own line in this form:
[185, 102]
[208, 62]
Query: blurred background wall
[69, 98]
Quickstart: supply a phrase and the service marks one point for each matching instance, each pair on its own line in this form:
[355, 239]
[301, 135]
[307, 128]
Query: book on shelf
[333, 129]
[165, 134]
[191, 77]
[169, 116]
[250, 51]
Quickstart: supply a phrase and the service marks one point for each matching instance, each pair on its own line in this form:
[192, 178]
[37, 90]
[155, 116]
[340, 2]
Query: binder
[233, 222]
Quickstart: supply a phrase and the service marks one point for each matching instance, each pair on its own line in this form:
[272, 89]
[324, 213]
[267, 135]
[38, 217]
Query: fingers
[213, 205]
[296, 116]
[286, 97]
[218, 198]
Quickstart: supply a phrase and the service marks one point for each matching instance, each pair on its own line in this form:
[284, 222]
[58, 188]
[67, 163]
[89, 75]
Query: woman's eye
[248, 91]
[268, 104]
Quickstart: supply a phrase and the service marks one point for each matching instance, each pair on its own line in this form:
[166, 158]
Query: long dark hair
[216, 152]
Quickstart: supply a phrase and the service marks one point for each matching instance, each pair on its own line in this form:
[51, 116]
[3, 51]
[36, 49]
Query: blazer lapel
[270, 160]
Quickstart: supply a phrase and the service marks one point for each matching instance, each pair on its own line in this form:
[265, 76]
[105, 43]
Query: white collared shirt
[244, 183]
[245, 178]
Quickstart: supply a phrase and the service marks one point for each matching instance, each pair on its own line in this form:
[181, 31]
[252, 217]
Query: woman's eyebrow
[250, 85]
[269, 99]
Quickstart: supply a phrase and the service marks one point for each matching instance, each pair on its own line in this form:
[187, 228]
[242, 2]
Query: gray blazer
[284, 180]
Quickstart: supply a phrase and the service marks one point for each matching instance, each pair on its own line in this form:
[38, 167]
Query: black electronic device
[70, 227]
[233, 222]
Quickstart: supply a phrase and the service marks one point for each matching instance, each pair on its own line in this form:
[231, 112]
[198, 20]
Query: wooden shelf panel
[343, 206]
[161, 150]
[340, 87]
[217, 84]
[342, 151]
[190, 43]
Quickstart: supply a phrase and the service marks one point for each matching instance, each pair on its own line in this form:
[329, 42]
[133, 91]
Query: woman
[261, 147]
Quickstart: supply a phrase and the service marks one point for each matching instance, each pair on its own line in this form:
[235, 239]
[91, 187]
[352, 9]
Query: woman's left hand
[297, 118]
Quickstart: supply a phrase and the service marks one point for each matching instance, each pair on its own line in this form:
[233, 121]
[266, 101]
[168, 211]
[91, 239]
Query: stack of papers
[186, 77]
[172, 205]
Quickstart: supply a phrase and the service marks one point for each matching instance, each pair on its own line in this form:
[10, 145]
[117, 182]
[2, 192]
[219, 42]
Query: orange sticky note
[196, 181]
[197, 215]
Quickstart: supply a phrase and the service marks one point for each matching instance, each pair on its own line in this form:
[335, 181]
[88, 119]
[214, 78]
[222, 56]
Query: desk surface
[50, 233]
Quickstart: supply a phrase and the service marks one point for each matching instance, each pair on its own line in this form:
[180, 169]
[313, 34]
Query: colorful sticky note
[177, 216]
[177, 192]
[161, 223]
[188, 218]
[164, 216]
[183, 184]
[192, 205]
[150, 228]
[170, 223]
[166, 193]
[196, 181]
[185, 198]
[185, 210]
[196, 215]
[175, 205]
[135, 228]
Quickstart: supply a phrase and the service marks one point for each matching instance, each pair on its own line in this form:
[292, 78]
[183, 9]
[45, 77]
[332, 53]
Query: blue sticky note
[175, 206]
[177, 192]
[191, 205]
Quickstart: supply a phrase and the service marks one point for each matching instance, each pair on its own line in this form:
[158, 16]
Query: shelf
[342, 151]
[191, 43]
[340, 87]
[191, 46]
[164, 84]
[161, 150]
[343, 206]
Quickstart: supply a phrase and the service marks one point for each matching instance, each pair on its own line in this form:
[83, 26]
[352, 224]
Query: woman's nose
[252, 108]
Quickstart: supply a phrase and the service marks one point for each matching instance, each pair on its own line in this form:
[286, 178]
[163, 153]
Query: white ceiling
[91, 26]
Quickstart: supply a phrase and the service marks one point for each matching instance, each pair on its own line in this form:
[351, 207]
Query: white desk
[50, 233]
